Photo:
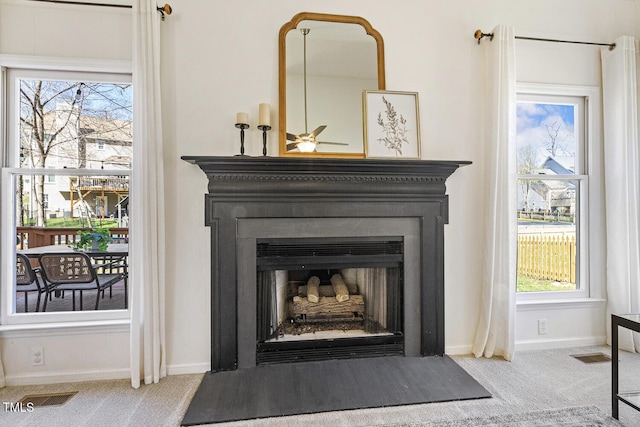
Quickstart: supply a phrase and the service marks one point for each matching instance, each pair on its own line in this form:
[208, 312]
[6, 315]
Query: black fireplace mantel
[280, 176]
[242, 188]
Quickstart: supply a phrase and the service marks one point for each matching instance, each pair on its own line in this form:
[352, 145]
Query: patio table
[114, 252]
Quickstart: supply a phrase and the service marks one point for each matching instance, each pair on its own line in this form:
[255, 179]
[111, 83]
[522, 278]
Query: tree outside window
[71, 124]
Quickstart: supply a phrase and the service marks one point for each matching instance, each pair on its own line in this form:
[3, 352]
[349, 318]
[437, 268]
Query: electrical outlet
[542, 326]
[37, 356]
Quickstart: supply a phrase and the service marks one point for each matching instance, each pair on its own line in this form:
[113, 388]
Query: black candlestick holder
[242, 127]
[264, 129]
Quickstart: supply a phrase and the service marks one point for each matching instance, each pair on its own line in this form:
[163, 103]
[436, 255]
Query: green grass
[529, 284]
[77, 223]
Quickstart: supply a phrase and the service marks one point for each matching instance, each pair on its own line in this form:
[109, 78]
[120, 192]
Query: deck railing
[33, 237]
[103, 183]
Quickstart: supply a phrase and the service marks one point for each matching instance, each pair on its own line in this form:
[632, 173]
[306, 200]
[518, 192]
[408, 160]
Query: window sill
[559, 303]
[65, 328]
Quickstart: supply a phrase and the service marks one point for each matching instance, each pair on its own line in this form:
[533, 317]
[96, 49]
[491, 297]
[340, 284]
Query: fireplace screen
[329, 298]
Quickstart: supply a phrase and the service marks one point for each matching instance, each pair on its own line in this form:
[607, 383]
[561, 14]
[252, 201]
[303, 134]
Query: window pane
[546, 139]
[75, 124]
[72, 124]
[547, 235]
[67, 217]
[547, 208]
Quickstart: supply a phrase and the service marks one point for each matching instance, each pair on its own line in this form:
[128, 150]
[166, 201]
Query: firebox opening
[328, 298]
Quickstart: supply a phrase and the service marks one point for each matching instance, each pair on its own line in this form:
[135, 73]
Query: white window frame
[590, 262]
[118, 71]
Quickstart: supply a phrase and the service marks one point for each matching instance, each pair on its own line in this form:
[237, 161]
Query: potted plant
[95, 239]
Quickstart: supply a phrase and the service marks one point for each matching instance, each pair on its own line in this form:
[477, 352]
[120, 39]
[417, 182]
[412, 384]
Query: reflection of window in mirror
[340, 64]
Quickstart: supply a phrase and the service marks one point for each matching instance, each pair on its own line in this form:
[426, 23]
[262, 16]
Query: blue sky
[535, 114]
[533, 122]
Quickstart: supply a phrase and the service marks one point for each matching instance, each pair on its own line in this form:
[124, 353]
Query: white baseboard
[547, 344]
[42, 378]
[199, 368]
[458, 350]
[188, 368]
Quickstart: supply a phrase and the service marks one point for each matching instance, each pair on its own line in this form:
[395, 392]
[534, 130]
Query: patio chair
[111, 264]
[27, 280]
[72, 271]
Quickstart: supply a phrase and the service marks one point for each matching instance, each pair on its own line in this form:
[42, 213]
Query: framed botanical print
[391, 124]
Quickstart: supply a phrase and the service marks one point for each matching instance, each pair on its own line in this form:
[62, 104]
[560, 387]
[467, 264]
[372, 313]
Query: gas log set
[336, 302]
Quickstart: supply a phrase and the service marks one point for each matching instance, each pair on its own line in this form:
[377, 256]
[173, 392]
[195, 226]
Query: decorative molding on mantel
[340, 176]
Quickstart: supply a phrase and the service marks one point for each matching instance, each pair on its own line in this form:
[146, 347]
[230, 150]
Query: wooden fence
[550, 257]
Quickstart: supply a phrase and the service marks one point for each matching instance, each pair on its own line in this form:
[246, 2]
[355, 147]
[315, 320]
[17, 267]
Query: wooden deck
[115, 302]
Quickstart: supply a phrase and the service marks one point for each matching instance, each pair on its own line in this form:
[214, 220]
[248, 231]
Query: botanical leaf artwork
[394, 129]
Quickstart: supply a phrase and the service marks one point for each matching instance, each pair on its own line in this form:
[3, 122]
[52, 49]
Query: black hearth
[253, 202]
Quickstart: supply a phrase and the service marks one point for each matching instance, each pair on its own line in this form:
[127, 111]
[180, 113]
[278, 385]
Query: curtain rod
[479, 35]
[164, 9]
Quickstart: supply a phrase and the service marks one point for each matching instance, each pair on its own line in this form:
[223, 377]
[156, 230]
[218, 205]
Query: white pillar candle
[265, 115]
[242, 118]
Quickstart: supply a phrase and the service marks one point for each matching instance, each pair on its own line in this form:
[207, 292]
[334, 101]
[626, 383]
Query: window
[552, 153]
[56, 121]
[51, 179]
[102, 206]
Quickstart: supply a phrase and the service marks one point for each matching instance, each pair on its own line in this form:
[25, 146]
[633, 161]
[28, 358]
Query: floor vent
[592, 357]
[50, 399]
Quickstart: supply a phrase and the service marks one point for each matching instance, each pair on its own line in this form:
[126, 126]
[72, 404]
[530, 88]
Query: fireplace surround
[251, 200]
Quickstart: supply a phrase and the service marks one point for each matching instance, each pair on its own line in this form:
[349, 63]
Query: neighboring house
[549, 195]
[86, 142]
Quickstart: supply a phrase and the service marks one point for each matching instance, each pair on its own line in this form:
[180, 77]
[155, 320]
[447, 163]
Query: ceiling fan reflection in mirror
[306, 142]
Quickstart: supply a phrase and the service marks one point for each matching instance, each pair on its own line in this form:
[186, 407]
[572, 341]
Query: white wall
[221, 58]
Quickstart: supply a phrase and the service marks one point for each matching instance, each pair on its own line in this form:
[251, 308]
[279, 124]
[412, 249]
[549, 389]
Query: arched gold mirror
[325, 62]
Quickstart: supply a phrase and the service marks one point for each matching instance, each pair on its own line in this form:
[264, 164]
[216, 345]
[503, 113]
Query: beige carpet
[581, 416]
[534, 381]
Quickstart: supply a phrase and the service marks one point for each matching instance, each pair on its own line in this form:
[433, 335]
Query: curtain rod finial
[478, 35]
[164, 9]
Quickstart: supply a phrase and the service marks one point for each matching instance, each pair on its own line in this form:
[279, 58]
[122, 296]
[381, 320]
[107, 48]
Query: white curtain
[3, 383]
[3, 153]
[496, 326]
[622, 183]
[147, 253]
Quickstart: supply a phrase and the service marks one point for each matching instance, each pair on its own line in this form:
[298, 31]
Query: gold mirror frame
[282, 74]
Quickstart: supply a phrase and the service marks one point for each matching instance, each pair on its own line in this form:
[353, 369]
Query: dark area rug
[332, 385]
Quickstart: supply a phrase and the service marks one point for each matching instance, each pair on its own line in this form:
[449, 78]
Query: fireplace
[336, 297]
[317, 259]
